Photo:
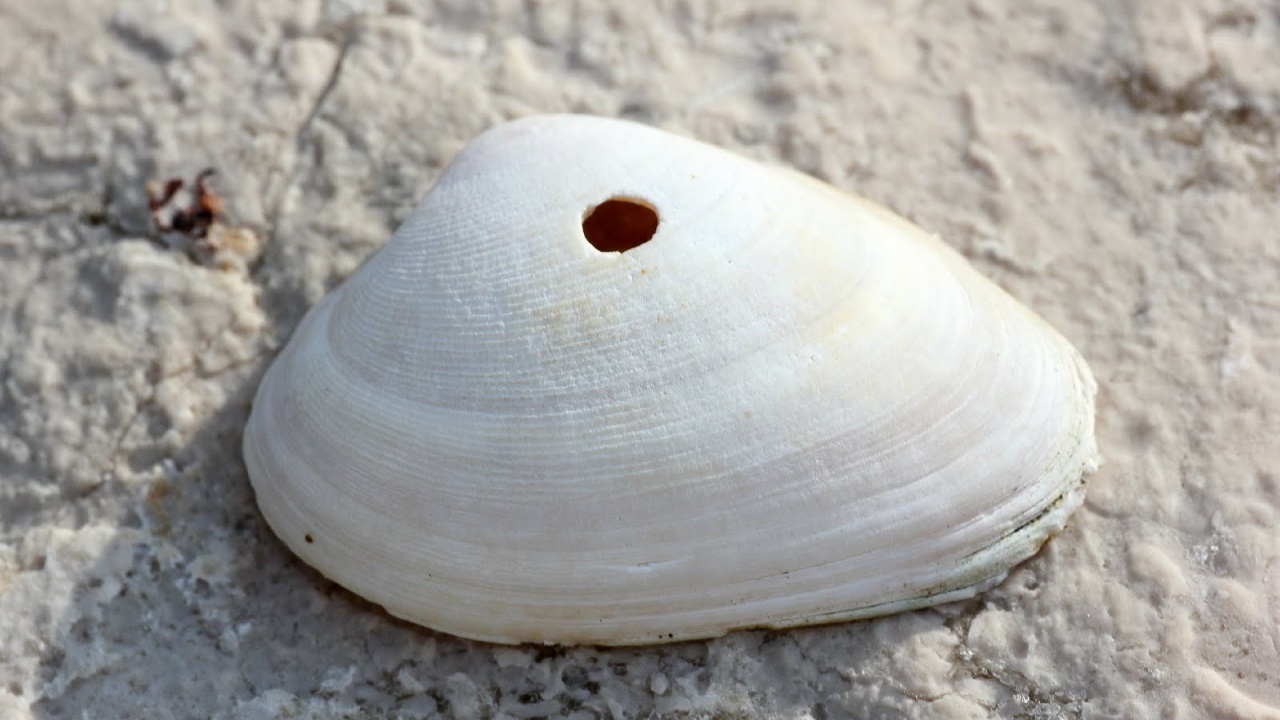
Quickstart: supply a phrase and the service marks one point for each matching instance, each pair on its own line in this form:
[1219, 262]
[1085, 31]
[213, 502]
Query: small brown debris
[190, 221]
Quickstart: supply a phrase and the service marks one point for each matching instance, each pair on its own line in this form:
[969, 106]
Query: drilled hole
[619, 224]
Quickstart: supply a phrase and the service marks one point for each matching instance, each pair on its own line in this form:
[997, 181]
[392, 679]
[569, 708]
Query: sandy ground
[1113, 164]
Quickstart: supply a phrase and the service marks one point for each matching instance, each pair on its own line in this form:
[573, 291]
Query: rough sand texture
[1113, 164]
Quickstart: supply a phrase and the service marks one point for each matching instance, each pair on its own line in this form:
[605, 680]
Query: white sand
[1114, 164]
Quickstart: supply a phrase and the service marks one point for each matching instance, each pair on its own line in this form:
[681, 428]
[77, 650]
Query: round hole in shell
[619, 224]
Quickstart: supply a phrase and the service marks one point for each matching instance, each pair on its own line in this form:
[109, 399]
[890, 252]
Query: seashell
[610, 385]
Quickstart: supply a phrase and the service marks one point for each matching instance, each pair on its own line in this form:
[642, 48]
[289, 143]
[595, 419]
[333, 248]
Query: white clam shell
[790, 406]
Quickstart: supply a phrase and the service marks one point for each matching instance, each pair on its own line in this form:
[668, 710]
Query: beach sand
[1113, 164]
